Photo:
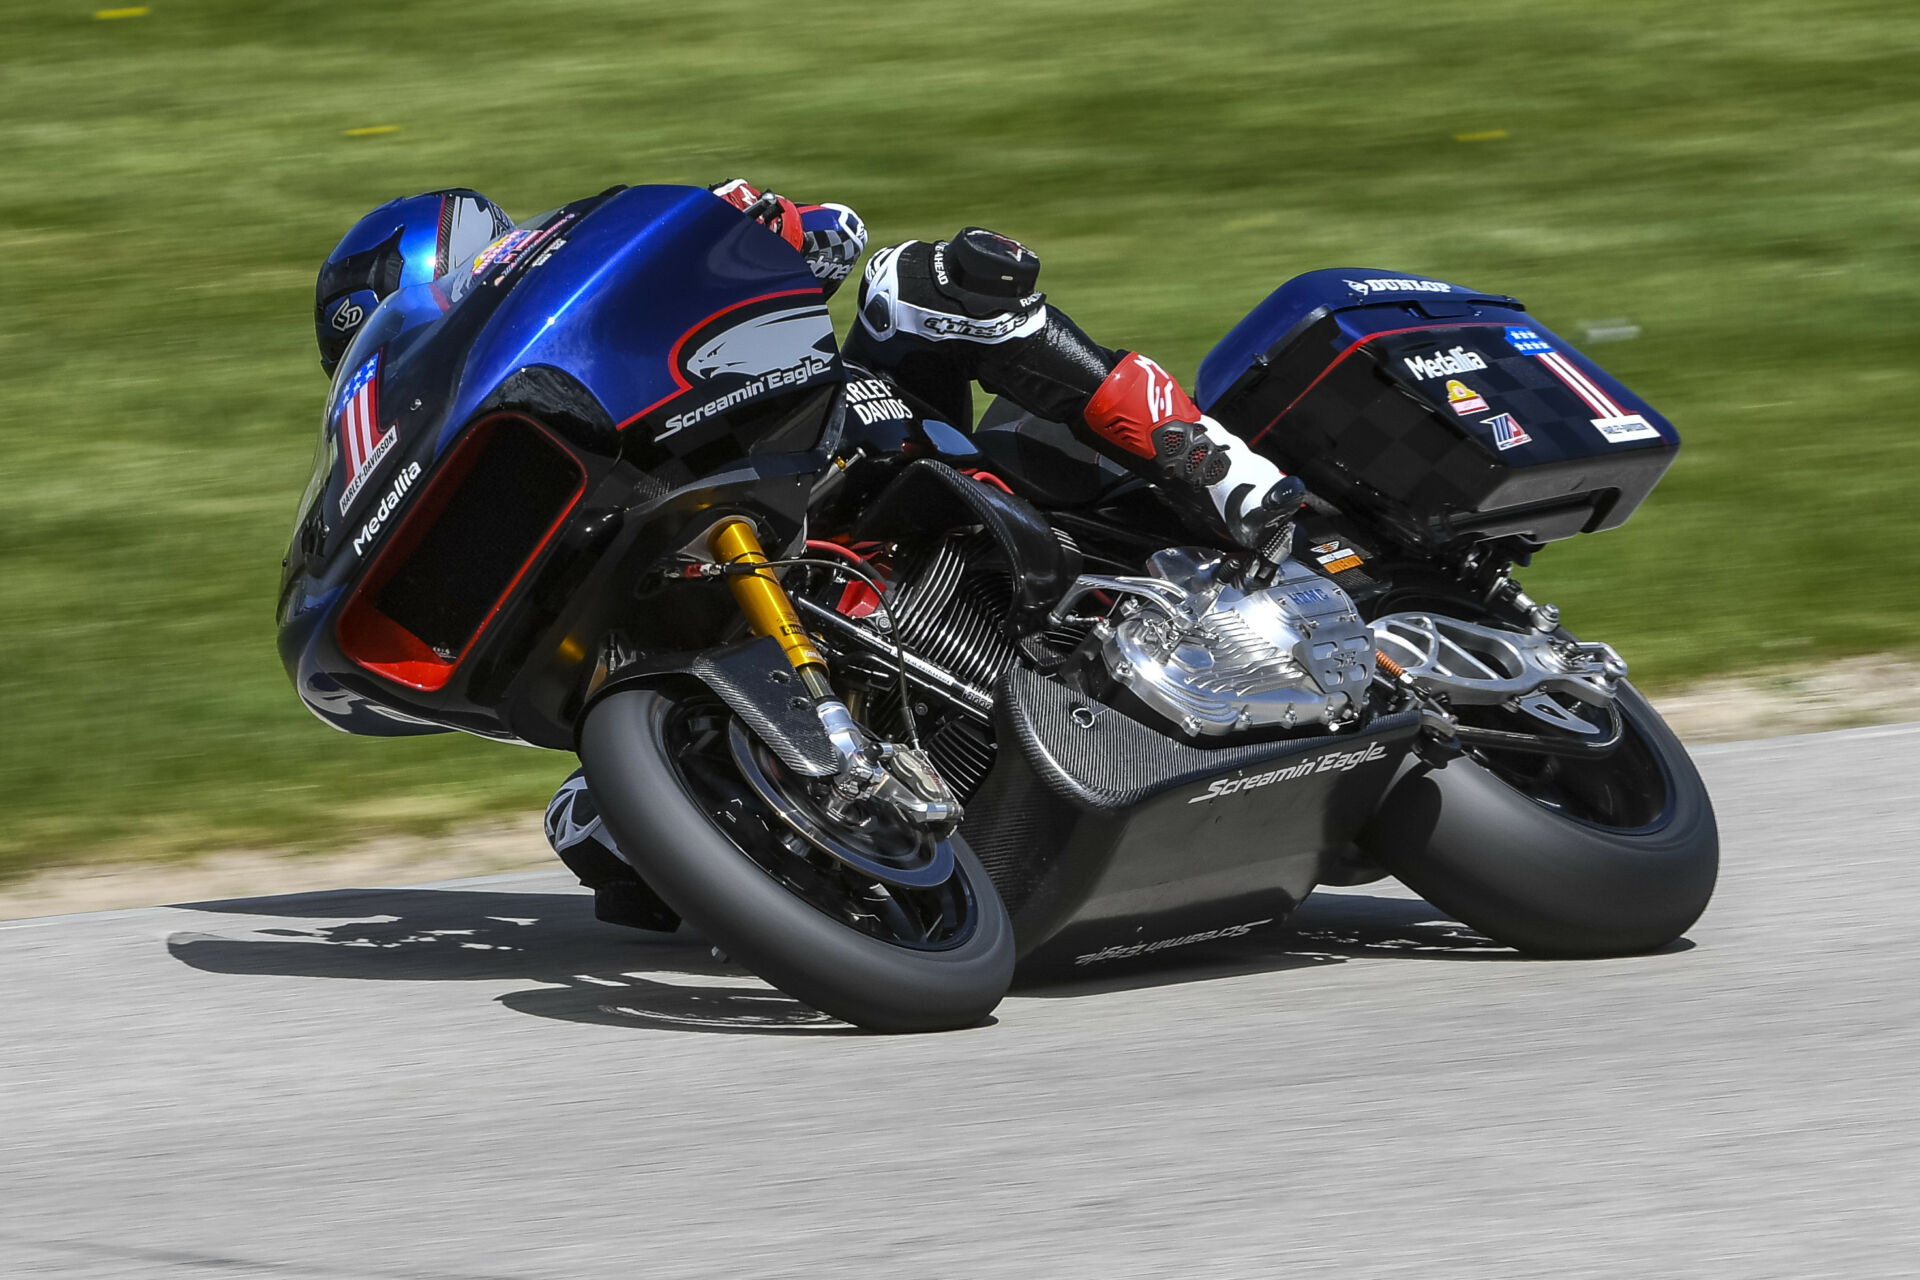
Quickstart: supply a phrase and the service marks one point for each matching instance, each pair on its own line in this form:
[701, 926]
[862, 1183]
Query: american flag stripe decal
[1613, 422]
[1569, 373]
[357, 429]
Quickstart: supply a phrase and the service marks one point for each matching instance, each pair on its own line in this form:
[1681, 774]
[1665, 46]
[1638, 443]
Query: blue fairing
[634, 277]
[624, 284]
[606, 297]
[1365, 304]
[653, 299]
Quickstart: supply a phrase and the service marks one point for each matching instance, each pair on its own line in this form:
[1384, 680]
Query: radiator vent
[484, 518]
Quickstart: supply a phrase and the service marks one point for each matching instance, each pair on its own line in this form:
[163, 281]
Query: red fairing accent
[1137, 397]
[383, 646]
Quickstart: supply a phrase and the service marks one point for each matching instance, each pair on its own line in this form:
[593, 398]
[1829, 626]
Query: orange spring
[1388, 665]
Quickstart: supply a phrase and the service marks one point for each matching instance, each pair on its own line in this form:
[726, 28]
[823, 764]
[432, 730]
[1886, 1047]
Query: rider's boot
[582, 841]
[1214, 474]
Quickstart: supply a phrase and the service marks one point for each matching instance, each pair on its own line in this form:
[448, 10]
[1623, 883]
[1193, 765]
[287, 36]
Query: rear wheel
[868, 936]
[1553, 855]
[1559, 855]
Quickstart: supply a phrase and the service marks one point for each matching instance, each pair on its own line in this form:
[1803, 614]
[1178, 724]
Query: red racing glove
[777, 213]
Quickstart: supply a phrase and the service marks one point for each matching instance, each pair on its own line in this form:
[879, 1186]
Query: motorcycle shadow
[1326, 929]
[589, 972]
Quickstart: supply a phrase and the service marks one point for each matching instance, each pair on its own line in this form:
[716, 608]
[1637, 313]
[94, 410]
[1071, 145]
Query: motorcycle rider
[934, 318]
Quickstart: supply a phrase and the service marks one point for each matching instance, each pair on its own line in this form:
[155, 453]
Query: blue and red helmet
[404, 242]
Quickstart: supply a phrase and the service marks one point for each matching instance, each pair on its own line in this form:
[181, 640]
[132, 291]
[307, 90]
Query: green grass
[1742, 180]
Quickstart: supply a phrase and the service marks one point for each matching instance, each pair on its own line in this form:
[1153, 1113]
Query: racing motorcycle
[892, 711]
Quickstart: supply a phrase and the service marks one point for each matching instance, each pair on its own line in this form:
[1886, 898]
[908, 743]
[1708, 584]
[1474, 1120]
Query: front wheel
[1560, 856]
[876, 954]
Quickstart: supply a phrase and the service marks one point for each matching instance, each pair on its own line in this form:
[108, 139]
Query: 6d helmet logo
[347, 315]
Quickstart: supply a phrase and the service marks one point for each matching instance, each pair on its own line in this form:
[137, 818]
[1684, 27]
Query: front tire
[1578, 859]
[772, 906]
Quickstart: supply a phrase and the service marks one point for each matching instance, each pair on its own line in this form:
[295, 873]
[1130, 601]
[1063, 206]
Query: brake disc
[881, 846]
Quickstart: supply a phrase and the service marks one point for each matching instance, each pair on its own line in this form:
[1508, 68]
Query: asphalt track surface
[475, 1080]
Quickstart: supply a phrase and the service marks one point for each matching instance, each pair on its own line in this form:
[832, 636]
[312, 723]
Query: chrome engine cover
[1216, 659]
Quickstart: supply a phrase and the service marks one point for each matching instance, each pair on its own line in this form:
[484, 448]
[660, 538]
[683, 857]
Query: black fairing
[562, 403]
[1370, 435]
[756, 682]
[1444, 415]
[929, 498]
[1100, 832]
[1043, 460]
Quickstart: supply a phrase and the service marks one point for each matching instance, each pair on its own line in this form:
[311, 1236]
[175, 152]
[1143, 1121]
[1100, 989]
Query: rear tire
[1543, 879]
[661, 812]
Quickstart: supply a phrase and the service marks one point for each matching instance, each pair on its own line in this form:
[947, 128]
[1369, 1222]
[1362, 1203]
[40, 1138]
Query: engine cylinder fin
[950, 614]
[963, 752]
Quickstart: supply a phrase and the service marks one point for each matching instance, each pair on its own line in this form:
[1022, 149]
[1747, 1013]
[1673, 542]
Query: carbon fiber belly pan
[1111, 841]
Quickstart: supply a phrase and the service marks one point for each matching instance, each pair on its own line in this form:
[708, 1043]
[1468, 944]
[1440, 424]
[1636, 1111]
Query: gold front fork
[764, 601]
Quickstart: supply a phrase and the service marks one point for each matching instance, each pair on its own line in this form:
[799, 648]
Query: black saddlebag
[1448, 414]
